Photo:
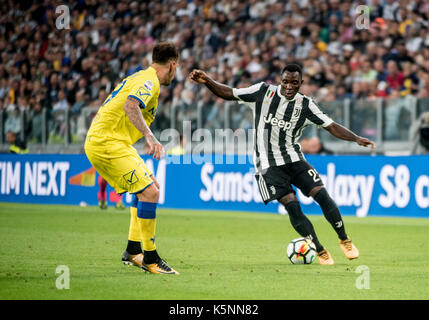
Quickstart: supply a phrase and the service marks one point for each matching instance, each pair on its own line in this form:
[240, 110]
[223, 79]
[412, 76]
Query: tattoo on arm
[132, 110]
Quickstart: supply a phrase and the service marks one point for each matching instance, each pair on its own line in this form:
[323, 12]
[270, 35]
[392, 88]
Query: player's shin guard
[134, 234]
[302, 224]
[146, 212]
[331, 212]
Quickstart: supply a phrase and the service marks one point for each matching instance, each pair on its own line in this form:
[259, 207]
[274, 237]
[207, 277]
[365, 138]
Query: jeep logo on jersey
[285, 125]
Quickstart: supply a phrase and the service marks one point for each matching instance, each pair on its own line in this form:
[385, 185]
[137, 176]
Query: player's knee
[315, 191]
[293, 208]
[287, 199]
[155, 181]
[150, 194]
[153, 194]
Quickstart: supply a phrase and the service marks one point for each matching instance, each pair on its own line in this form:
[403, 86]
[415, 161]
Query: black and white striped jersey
[278, 123]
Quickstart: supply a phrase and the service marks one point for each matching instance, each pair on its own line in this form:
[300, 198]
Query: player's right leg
[304, 227]
[133, 254]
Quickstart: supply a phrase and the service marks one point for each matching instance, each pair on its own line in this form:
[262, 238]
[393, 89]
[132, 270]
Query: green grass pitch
[220, 255]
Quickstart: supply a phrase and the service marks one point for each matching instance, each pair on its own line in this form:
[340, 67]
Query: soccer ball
[301, 251]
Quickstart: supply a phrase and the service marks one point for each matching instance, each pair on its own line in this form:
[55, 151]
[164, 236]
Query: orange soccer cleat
[132, 259]
[349, 249]
[159, 267]
[325, 257]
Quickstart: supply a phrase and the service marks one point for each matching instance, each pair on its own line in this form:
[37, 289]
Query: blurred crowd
[48, 61]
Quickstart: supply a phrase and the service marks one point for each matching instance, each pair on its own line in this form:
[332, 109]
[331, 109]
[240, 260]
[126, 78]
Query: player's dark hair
[293, 67]
[163, 52]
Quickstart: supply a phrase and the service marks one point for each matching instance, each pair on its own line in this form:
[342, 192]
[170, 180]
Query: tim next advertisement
[361, 185]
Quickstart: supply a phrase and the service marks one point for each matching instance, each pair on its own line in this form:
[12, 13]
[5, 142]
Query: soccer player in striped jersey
[280, 113]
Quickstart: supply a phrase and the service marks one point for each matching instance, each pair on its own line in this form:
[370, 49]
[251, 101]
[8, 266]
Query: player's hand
[365, 142]
[155, 148]
[198, 76]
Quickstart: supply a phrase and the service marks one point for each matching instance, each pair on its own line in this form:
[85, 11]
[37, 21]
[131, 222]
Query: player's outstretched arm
[219, 89]
[132, 110]
[343, 133]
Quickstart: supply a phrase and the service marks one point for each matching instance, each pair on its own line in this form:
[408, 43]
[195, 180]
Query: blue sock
[146, 210]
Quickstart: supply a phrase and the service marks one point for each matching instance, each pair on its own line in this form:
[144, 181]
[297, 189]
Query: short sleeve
[317, 116]
[249, 94]
[143, 93]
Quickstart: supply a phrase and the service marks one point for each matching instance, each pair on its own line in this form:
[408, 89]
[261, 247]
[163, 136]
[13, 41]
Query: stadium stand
[374, 80]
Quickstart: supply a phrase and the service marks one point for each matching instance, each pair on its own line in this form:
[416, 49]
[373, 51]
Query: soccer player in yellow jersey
[120, 122]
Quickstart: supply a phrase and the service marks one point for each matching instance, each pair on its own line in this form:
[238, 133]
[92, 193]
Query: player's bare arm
[219, 89]
[343, 133]
[132, 110]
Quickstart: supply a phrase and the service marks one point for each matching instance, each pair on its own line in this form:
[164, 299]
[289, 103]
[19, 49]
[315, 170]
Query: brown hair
[163, 52]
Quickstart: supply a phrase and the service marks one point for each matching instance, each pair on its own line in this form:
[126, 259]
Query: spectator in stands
[397, 117]
[379, 68]
[246, 122]
[394, 77]
[13, 121]
[419, 134]
[206, 104]
[411, 81]
[216, 117]
[246, 41]
[79, 104]
[22, 104]
[366, 73]
[17, 146]
[36, 120]
[61, 104]
[313, 145]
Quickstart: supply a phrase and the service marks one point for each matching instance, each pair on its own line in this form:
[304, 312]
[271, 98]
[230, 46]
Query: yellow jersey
[111, 124]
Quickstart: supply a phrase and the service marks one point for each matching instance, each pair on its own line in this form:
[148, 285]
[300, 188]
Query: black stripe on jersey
[282, 134]
[312, 117]
[299, 133]
[275, 102]
[297, 149]
[301, 119]
[250, 97]
[258, 108]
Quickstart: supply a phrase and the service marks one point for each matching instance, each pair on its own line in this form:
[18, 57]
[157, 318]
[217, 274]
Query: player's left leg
[146, 213]
[123, 170]
[332, 214]
[304, 227]
[143, 225]
[299, 221]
